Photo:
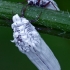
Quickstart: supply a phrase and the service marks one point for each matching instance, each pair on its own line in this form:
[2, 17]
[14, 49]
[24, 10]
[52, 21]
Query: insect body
[49, 4]
[30, 43]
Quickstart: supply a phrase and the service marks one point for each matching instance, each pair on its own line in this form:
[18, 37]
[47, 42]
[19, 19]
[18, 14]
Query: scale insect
[49, 4]
[30, 43]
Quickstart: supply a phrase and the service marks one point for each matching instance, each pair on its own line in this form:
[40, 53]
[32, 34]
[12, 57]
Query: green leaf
[51, 22]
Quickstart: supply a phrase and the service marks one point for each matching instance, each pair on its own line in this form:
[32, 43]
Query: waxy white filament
[30, 43]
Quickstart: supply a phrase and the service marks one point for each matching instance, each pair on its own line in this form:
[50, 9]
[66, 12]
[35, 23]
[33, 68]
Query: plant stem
[52, 22]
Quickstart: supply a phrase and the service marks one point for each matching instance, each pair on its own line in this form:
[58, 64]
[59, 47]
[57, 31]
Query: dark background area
[12, 59]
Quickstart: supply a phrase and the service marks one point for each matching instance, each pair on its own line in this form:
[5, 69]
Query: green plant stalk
[52, 22]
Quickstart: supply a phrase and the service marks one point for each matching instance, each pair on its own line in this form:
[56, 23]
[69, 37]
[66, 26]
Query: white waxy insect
[30, 43]
[49, 4]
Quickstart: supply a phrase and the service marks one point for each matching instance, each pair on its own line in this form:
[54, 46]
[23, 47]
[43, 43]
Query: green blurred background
[12, 59]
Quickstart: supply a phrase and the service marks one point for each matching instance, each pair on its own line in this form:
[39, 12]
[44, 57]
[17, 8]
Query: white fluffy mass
[29, 42]
[25, 36]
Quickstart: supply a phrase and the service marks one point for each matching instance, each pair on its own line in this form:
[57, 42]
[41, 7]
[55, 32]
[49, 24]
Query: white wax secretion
[30, 43]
